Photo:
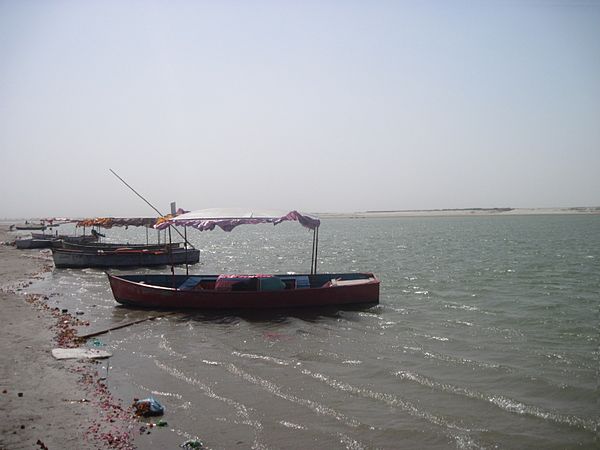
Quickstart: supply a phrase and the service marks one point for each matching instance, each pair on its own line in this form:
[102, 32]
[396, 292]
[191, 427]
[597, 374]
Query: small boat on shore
[244, 291]
[123, 257]
[74, 254]
[40, 240]
[93, 246]
[30, 226]
[59, 239]
[213, 292]
[24, 244]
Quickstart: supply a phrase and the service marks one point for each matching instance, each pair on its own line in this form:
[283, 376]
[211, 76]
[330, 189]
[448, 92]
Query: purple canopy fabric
[227, 219]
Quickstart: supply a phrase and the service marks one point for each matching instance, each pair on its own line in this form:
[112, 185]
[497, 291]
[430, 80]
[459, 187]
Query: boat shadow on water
[313, 315]
[279, 315]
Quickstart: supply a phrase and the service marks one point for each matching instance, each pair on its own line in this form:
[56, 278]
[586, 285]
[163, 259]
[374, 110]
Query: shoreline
[49, 403]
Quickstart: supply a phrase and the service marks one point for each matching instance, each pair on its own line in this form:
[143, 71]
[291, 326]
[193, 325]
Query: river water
[486, 336]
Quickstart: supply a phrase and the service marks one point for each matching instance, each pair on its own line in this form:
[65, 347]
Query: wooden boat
[65, 237]
[46, 236]
[24, 244]
[30, 226]
[66, 258]
[41, 240]
[244, 291]
[93, 246]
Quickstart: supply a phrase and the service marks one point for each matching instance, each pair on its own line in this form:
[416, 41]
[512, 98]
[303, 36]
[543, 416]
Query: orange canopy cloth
[109, 222]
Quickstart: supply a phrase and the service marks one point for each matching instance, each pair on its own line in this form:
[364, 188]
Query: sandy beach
[47, 403]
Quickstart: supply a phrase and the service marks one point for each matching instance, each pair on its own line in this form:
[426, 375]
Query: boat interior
[228, 283]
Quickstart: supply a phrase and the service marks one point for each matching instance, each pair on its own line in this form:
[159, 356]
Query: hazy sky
[309, 105]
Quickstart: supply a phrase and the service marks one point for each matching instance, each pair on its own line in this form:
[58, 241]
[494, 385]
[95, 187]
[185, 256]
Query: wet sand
[48, 403]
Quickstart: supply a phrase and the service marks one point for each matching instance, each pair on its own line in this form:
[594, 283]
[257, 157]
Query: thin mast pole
[149, 204]
[136, 192]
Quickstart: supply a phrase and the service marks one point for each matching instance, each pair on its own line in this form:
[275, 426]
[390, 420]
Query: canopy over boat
[229, 218]
[243, 292]
[109, 222]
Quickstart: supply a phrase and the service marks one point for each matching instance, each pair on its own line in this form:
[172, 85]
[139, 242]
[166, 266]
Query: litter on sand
[192, 444]
[148, 407]
[80, 353]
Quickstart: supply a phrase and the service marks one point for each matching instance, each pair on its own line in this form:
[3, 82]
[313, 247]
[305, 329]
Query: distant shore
[462, 212]
[446, 212]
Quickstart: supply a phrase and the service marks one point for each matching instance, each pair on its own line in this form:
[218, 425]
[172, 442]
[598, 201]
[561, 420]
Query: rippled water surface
[486, 337]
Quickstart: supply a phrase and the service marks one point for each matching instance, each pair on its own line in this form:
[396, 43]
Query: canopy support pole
[312, 256]
[187, 268]
[171, 257]
[316, 249]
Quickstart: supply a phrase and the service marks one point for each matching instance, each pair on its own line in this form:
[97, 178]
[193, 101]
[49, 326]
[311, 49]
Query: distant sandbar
[464, 212]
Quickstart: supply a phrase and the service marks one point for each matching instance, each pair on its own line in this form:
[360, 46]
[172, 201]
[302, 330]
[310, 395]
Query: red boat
[244, 292]
[255, 291]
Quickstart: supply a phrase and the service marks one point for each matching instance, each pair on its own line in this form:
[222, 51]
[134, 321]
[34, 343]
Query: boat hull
[139, 291]
[134, 258]
[112, 246]
[33, 243]
[84, 239]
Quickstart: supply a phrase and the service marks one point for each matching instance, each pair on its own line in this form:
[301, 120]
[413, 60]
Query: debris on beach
[80, 353]
[81, 400]
[97, 343]
[192, 444]
[148, 407]
[113, 425]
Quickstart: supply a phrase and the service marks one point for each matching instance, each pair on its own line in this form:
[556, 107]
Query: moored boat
[94, 246]
[66, 237]
[30, 226]
[24, 244]
[124, 257]
[59, 240]
[245, 291]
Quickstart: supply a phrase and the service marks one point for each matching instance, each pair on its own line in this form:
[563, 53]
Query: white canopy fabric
[229, 218]
[229, 213]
